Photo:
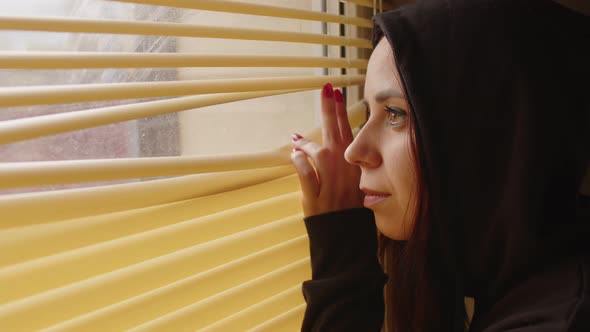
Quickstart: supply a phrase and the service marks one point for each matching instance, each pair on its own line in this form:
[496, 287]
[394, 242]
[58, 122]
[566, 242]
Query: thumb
[307, 175]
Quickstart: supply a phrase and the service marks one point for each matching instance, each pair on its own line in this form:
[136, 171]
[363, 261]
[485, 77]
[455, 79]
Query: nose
[363, 151]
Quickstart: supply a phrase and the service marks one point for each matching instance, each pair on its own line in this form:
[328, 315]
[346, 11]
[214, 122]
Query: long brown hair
[415, 298]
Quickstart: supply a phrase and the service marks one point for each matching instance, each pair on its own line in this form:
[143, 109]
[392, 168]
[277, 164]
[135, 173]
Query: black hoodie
[500, 92]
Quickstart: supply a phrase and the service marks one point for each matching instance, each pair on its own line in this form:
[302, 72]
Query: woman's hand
[331, 184]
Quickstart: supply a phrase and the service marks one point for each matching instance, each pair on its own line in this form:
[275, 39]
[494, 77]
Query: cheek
[401, 176]
[400, 167]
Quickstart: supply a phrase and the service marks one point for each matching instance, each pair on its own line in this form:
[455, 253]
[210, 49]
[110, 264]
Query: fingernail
[295, 150]
[338, 96]
[295, 137]
[328, 92]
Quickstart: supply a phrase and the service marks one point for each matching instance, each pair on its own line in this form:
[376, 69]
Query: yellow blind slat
[287, 321]
[72, 266]
[24, 174]
[58, 237]
[365, 3]
[44, 207]
[61, 172]
[155, 303]
[26, 128]
[257, 9]
[90, 60]
[259, 312]
[54, 306]
[377, 4]
[63, 24]
[204, 312]
[97, 258]
[45, 95]
[222, 246]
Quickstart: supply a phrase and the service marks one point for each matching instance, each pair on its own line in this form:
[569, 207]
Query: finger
[312, 149]
[307, 176]
[342, 117]
[330, 131]
[320, 156]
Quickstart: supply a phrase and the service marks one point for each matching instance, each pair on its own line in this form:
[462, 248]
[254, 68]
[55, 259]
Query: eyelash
[394, 113]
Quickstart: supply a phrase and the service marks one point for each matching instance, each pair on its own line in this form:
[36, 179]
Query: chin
[390, 228]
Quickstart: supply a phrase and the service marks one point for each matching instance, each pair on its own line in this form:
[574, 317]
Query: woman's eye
[395, 116]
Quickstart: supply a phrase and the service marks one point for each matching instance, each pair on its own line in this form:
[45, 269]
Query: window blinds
[215, 242]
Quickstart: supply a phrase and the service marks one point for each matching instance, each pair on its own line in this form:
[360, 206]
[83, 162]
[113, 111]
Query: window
[145, 181]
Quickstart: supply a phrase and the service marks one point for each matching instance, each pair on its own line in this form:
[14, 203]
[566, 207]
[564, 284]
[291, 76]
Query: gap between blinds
[218, 245]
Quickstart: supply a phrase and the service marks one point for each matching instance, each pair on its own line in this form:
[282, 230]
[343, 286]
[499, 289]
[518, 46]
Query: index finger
[330, 130]
[342, 116]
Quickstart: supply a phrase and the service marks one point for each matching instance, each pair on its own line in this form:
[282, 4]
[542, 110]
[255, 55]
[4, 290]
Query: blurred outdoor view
[245, 126]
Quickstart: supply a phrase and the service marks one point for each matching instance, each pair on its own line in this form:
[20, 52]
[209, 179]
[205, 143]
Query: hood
[499, 90]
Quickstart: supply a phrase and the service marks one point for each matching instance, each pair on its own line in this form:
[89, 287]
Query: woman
[470, 166]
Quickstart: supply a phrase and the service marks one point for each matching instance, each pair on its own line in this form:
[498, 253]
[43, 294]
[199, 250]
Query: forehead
[381, 71]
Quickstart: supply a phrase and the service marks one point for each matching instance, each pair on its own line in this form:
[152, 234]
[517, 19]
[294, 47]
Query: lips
[373, 197]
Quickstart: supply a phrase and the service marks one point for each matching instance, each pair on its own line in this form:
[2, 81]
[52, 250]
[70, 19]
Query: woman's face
[382, 148]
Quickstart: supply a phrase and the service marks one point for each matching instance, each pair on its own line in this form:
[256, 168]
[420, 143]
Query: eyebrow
[383, 95]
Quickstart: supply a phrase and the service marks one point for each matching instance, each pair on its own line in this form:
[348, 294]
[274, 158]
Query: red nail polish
[296, 137]
[338, 96]
[328, 91]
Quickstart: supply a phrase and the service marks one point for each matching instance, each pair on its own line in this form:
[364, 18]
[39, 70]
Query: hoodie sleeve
[346, 289]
